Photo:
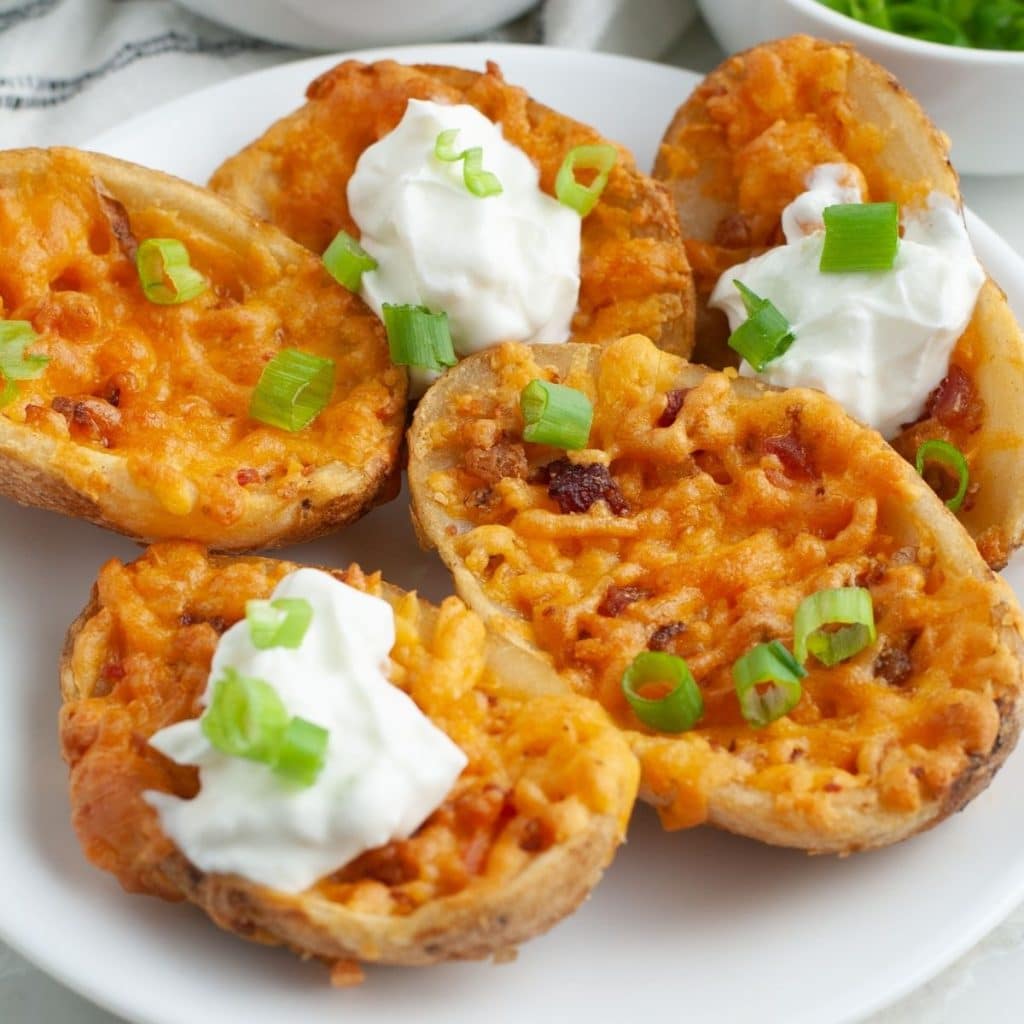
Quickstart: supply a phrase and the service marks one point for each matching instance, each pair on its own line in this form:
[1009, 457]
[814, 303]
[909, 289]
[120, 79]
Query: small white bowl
[975, 96]
[348, 24]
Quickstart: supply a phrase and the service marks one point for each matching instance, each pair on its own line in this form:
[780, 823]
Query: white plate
[701, 924]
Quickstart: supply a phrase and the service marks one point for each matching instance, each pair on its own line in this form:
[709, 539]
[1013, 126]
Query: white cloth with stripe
[70, 69]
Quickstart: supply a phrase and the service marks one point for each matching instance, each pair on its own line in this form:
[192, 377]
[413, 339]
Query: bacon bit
[113, 670]
[832, 787]
[216, 623]
[94, 418]
[893, 664]
[955, 403]
[790, 451]
[616, 599]
[733, 232]
[117, 217]
[346, 974]
[246, 476]
[662, 637]
[537, 835]
[497, 462]
[673, 403]
[482, 498]
[577, 486]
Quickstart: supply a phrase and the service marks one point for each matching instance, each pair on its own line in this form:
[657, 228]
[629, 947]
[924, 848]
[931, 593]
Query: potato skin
[96, 325]
[736, 154]
[488, 918]
[841, 822]
[633, 269]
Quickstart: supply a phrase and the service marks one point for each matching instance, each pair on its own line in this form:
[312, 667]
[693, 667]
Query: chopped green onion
[279, 623]
[167, 276]
[920, 22]
[246, 718]
[599, 158]
[952, 458]
[860, 236]
[15, 337]
[555, 414]
[292, 390]
[346, 261]
[444, 146]
[417, 337]
[480, 182]
[767, 680]
[764, 335]
[679, 709]
[302, 752]
[849, 607]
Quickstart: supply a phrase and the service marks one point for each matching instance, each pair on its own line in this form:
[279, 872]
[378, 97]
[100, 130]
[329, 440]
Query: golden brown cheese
[539, 769]
[633, 270]
[166, 389]
[739, 506]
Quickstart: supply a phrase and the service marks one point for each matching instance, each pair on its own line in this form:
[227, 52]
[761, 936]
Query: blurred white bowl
[975, 96]
[336, 24]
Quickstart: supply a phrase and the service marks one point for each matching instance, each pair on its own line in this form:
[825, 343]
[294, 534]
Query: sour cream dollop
[878, 342]
[504, 268]
[387, 765]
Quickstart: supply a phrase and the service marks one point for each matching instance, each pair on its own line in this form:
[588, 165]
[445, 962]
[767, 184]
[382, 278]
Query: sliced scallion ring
[282, 622]
[555, 414]
[166, 273]
[417, 337]
[764, 335]
[599, 158]
[246, 718]
[15, 337]
[952, 458]
[850, 608]
[293, 389]
[860, 237]
[346, 261]
[767, 680]
[680, 708]
[302, 751]
[478, 181]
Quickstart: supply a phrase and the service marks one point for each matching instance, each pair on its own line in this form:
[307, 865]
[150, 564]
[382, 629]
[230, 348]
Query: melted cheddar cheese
[633, 270]
[749, 501]
[167, 388]
[539, 768]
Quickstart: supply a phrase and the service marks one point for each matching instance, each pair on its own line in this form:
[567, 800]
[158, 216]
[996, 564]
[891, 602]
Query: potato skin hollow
[633, 269]
[745, 503]
[738, 151]
[523, 836]
[140, 421]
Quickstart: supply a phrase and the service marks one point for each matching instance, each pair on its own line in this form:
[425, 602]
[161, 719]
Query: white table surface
[986, 986]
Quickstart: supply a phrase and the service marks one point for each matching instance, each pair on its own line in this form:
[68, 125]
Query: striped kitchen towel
[69, 69]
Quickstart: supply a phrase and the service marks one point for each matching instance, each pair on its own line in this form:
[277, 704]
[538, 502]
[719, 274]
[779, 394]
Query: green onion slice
[480, 182]
[764, 335]
[679, 709]
[167, 276]
[952, 458]
[279, 623]
[555, 414]
[859, 237]
[767, 680]
[246, 718]
[292, 390]
[346, 261]
[417, 337]
[302, 752]
[599, 158]
[15, 337]
[848, 607]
